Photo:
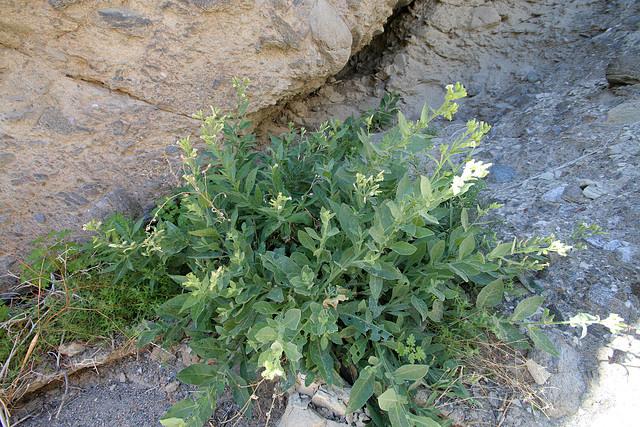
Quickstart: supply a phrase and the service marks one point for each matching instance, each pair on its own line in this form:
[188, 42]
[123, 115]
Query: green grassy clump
[71, 297]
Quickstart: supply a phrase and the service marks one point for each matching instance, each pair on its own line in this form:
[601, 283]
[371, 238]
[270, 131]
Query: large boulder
[94, 94]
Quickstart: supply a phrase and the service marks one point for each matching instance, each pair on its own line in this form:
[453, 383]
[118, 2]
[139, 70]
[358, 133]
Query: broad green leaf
[395, 211]
[467, 246]
[417, 256]
[421, 306]
[410, 372]
[205, 232]
[205, 406]
[150, 331]
[377, 232]
[275, 294]
[171, 310]
[491, 294]
[424, 115]
[399, 416]
[403, 248]
[402, 124]
[264, 307]
[292, 319]
[437, 311]
[207, 348]
[511, 335]
[424, 213]
[464, 219]
[423, 232]
[291, 350]
[199, 374]
[384, 270]
[349, 223]
[454, 269]
[240, 391]
[500, 250]
[358, 349]
[363, 326]
[526, 308]
[423, 421]
[436, 251]
[375, 284]
[389, 398]
[173, 422]
[258, 196]
[362, 390]
[250, 181]
[323, 361]
[425, 187]
[177, 413]
[404, 187]
[266, 335]
[542, 341]
[306, 240]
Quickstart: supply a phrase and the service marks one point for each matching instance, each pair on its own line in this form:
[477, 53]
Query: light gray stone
[296, 415]
[626, 113]
[573, 194]
[554, 195]
[565, 386]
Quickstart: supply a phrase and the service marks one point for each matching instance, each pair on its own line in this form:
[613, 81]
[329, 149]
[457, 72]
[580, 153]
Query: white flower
[472, 170]
[559, 247]
[458, 182]
[271, 370]
[614, 322]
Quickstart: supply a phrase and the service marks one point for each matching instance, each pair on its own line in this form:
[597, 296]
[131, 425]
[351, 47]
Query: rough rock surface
[93, 94]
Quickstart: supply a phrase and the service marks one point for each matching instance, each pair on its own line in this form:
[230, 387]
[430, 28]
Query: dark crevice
[397, 30]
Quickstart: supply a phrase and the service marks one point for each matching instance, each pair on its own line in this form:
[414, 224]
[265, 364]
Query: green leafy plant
[328, 250]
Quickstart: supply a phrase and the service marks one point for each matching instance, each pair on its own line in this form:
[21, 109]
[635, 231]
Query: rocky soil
[560, 83]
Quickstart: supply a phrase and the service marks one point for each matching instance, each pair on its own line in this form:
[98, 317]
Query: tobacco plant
[329, 253]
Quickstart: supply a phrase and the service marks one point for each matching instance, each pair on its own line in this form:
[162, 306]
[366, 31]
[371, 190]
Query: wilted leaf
[539, 373]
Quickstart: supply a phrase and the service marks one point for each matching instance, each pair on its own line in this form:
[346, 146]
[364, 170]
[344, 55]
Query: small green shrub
[327, 251]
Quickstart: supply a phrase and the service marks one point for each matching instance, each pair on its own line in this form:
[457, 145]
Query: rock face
[92, 94]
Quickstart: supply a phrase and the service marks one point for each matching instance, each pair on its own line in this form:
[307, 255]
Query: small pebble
[172, 387]
[553, 196]
[573, 194]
